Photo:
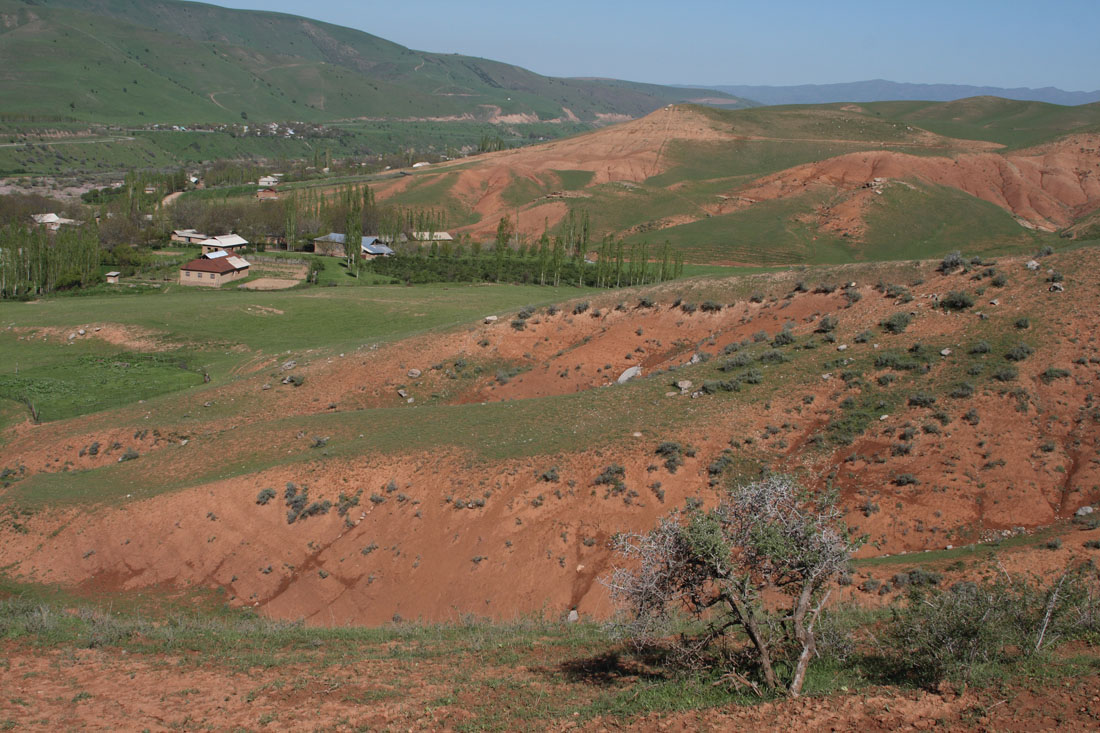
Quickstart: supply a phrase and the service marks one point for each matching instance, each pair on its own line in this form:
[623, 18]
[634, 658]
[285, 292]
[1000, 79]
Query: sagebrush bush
[957, 301]
[897, 322]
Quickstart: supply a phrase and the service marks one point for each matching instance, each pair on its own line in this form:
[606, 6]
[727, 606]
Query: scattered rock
[414, 373]
[684, 386]
[266, 386]
[402, 393]
[945, 352]
[1057, 288]
[842, 347]
[883, 417]
[995, 301]
[490, 319]
[72, 336]
[827, 376]
[81, 332]
[636, 434]
[411, 400]
[573, 616]
[696, 358]
[631, 373]
[98, 329]
[673, 394]
[289, 365]
[1032, 265]
[1084, 511]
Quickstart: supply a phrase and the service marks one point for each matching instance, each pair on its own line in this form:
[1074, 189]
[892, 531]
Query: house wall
[328, 249]
[210, 279]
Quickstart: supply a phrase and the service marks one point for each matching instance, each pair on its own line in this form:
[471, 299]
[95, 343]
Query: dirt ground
[269, 283]
[103, 689]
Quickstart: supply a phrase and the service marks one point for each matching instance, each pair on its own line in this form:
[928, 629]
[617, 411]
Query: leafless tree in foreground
[771, 537]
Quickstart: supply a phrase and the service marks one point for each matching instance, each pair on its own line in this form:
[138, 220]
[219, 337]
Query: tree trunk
[804, 634]
[748, 620]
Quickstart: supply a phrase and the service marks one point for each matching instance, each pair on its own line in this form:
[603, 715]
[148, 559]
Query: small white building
[188, 236]
[112, 277]
[223, 243]
[52, 221]
[432, 237]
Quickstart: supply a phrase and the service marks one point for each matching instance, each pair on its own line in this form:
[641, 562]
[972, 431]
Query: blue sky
[1004, 43]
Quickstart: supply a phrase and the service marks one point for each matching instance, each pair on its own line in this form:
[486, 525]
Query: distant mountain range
[881, 90]
[144, 61]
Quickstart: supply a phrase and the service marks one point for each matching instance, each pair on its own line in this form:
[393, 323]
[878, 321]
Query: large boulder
[634, 371]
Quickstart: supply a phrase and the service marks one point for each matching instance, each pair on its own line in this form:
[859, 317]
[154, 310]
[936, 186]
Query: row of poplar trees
[35, 261]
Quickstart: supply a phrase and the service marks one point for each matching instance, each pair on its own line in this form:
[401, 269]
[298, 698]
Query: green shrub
[957, 301]
[922, 399]
[897, 322]
[962, 390]
[672, 453]
[982, 347]
[1006, 374]
[951, 262]
[1053, 373]
[783, 338]
[827, 324]
[1019, 352]
[1023, 323]
[265, 496]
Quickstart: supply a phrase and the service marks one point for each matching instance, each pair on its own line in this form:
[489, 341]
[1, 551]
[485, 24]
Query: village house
[432, 237]
[269, 181]
[224, 243]
[332, 245]
[213, 270]
[372, 247]
[188, 236]
[52, 221]
[267, 194]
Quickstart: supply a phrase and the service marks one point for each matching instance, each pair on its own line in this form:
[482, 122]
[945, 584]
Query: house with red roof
[213, 270]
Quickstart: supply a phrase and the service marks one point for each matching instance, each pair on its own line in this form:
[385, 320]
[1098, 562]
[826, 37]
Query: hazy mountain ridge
[882, 90]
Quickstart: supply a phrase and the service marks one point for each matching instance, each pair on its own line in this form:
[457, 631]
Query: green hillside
[1009, 122]
[126, 61]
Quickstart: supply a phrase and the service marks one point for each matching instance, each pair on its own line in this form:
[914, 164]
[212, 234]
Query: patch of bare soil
[129, 337]
[629, 152]
[1047, 187]
[269, 283]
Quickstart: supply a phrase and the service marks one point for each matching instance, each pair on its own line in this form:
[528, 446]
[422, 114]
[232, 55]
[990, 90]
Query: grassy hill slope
[169, 61]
